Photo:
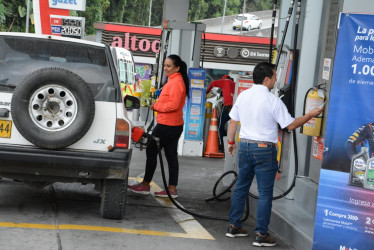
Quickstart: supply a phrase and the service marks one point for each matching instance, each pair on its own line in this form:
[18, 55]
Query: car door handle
[4, 112]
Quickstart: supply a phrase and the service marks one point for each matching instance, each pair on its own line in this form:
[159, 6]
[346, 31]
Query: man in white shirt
[259, 113]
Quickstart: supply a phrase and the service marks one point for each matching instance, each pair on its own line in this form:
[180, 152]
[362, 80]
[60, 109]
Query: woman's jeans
[255, 159]
[169, 136]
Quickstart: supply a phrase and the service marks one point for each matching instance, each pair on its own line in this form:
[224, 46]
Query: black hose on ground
[228, 189]
[182, 208]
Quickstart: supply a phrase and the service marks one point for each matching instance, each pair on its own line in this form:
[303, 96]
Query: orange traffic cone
[211, 149]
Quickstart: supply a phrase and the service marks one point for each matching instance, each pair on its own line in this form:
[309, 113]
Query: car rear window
[241, 18]
[20, 56]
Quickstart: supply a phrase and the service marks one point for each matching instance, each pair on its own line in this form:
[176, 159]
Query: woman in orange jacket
[169, 126]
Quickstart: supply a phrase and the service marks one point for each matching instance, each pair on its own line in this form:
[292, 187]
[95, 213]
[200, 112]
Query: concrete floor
[66, 216]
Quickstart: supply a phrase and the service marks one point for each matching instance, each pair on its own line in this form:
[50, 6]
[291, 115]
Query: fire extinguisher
[315, 98]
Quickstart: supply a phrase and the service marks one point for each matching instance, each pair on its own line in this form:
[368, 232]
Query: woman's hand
[151, 105]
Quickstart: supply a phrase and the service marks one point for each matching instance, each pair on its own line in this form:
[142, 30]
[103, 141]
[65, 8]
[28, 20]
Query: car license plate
[5, 128]
[239, 26]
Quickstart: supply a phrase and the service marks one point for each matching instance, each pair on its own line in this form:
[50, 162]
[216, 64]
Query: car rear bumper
[37, 164]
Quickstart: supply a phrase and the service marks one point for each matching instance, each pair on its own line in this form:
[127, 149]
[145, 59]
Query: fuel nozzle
[155, 93]
[140, 137]
[152, 90]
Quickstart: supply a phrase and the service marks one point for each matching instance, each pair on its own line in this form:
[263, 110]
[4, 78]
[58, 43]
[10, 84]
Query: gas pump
[285, 90]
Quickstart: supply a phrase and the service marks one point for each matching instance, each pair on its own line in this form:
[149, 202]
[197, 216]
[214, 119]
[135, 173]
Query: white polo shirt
[259, 113]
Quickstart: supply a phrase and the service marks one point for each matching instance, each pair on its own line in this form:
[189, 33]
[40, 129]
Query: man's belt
[256, 142]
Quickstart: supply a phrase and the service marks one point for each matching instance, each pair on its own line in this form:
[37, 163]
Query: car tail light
[121, 138]
[246, 21]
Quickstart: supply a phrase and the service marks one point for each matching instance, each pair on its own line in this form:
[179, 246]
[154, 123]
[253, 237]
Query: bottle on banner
[358, 168]
[369, 174]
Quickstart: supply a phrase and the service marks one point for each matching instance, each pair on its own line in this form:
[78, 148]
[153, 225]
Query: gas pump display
[345, 206]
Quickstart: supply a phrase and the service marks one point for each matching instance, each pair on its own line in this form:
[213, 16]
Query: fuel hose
[182, 208]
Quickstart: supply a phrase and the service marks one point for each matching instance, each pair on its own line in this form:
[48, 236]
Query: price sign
[67, 26]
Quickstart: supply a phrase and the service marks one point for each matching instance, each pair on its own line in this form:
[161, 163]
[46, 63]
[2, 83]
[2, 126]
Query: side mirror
[131, 102]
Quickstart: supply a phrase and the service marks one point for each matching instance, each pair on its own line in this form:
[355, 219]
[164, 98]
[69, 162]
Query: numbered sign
[67, 26]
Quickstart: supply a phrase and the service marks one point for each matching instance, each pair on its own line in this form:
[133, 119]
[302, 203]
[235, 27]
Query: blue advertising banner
[195, 108]
[345, 206]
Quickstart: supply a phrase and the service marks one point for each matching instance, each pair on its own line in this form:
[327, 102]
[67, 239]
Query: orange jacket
[171, 101]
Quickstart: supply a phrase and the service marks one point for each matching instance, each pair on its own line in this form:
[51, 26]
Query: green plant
[145, 99]
[2, 14]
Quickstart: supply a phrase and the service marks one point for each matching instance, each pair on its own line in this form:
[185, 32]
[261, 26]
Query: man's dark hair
[262, 70]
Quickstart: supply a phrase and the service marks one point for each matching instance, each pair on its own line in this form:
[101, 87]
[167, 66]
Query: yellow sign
[5, 128]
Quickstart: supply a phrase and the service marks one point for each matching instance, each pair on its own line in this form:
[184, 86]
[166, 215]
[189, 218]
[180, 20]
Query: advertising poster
[345, 206]
[195, 115]
[143, 71]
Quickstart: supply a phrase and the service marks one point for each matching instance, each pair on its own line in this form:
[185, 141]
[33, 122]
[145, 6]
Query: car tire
[113, 198]
[260, 26]
[53, 108]
[234, 28]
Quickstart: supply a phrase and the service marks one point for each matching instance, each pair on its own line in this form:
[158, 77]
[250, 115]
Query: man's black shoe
[233, 232]
[264, 240]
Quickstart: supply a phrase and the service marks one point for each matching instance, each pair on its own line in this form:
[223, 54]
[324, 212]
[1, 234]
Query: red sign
[244, 85]
[56, 21]
[318, 144]
[42, 14]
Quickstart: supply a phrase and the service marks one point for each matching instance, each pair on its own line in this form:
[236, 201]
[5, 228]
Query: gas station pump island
[326, 57]
[225, 54]
[311, 67]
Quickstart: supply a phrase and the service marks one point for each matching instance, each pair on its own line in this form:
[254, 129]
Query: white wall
[360, 6]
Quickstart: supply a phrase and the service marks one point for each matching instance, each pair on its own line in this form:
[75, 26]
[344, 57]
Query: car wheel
[234, 28]
[260, 26]
[113, 198]
[53, 108]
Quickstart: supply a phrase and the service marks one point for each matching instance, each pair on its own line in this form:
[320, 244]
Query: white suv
[62, 117]
[249, 21]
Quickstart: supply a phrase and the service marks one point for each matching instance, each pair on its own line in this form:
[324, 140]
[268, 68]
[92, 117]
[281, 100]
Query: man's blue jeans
[262, 162]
